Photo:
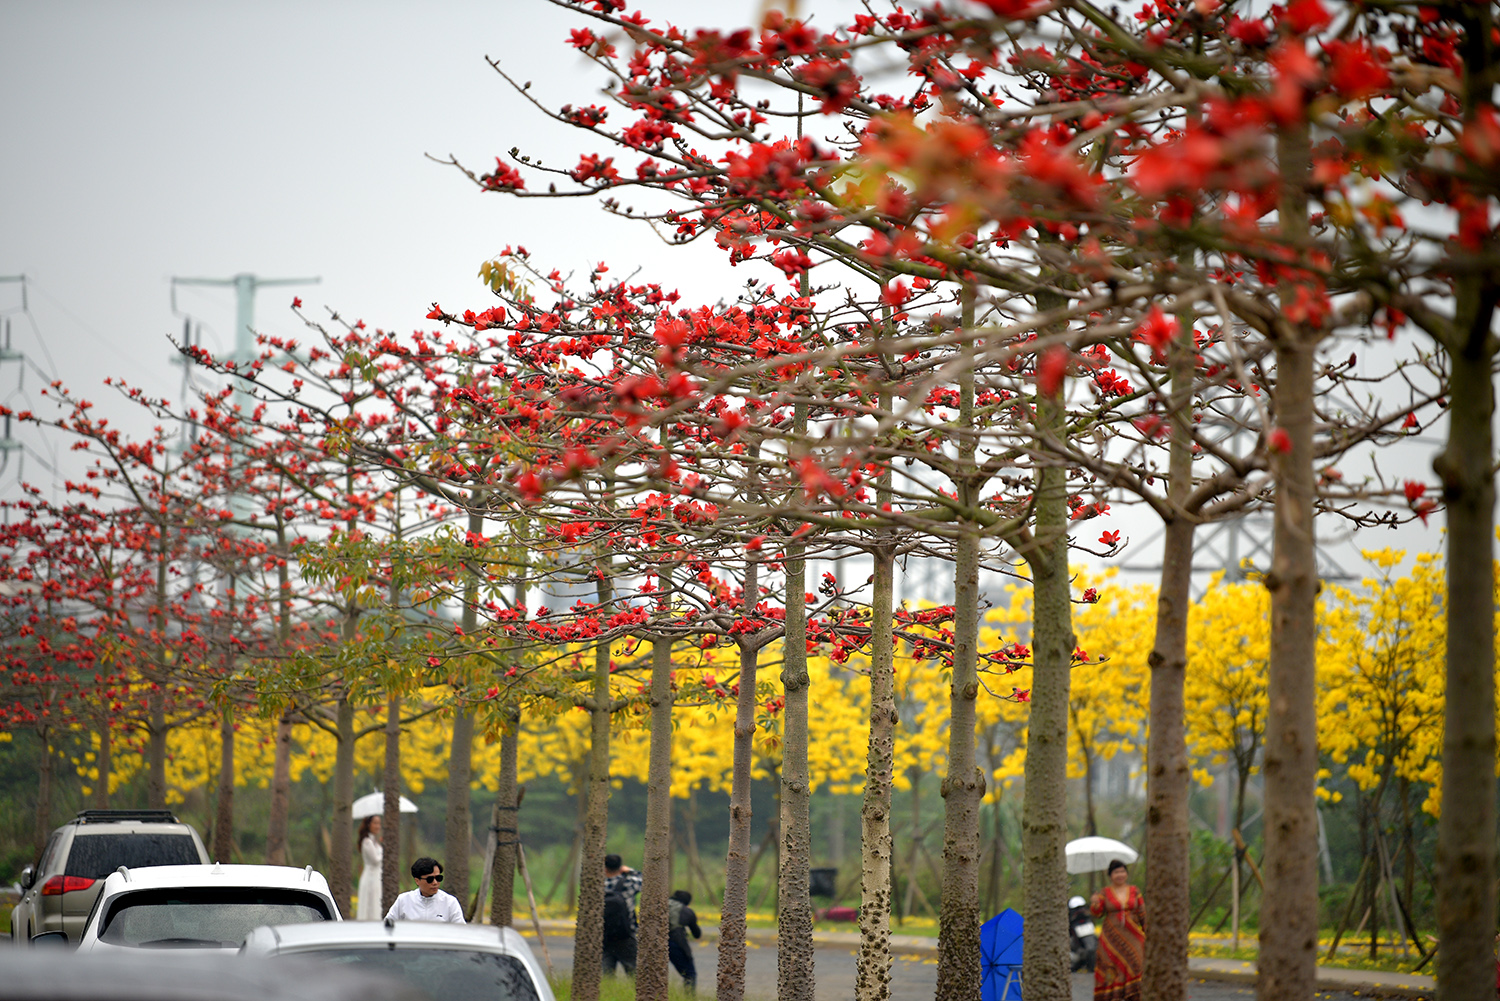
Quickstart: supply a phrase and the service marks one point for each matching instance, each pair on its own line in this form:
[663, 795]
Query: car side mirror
[28, 877]
[49, 938]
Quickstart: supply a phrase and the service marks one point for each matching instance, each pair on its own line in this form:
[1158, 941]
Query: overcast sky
[144, 140]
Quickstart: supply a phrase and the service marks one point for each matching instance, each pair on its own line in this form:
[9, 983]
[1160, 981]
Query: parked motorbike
[1083, 941]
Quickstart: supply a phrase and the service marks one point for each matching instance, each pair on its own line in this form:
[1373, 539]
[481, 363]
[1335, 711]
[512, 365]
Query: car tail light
[58, 885]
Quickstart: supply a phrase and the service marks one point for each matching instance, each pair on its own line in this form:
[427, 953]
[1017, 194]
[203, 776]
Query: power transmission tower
[245, 286]
[9, 444]
[1241, 544]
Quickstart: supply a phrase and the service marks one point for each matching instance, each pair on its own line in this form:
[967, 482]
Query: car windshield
[441, 974]
[94, 856]
[209, 917]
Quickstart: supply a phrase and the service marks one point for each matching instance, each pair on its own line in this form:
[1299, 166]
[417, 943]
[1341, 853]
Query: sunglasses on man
[430, 879]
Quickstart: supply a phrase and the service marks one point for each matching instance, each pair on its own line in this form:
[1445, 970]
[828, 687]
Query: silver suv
[59, 891]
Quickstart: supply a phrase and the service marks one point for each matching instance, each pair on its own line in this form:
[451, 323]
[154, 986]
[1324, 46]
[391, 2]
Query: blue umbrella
[1000, 940]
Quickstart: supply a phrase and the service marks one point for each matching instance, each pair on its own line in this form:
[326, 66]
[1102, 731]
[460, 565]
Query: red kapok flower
[1051, 370]
[1355, 70]
[1303, 16]
[1019, 10]
[1157, 331]
[1481, 137]
[529, 485]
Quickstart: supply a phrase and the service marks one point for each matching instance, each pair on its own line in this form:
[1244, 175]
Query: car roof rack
[110, 816]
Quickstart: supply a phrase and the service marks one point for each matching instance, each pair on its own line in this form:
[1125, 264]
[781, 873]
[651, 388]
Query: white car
[206, 907]
[46, 975]
[443, 961]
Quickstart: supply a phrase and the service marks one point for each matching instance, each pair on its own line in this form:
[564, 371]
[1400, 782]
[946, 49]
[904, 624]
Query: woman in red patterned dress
[1122, 937]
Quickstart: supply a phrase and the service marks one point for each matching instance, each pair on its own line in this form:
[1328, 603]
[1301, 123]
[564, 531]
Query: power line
[82, 324]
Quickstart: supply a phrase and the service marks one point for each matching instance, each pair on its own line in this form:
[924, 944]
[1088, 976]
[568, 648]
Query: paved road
[913, 975]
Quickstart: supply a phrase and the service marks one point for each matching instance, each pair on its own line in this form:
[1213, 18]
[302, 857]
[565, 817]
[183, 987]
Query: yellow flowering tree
[1107, 701]
[1381, 676]
[1229, 638]
[1381, 686]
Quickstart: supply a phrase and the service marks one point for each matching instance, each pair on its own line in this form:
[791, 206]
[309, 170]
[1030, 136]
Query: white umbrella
[373, 805]
[1094, 854]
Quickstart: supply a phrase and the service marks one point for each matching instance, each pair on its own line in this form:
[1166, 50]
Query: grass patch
[621, 988]
[1346, 959]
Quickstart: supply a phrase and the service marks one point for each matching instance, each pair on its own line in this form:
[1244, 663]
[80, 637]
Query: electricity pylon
[9, 444]
[245, 286]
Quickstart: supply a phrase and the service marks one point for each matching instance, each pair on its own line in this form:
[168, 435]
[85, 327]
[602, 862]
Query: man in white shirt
[426, 902]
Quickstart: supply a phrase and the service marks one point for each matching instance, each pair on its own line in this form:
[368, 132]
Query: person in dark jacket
[622, 885]
[680, 920]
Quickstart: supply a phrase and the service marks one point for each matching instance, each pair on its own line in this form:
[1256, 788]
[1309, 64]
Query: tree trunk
[837, 849]
[42, 830]
[458, 825]
[1465, 870]
[997, 856]
[1365, 886]
[508, 826]
[156, 748]
[507, 792]
[588, 929]
[872, 977]
[156, 696]
[341, 847]
[281, 787]
[794, 913]
[731, 979]
[695, 858]
[656, 862]
[1168, 866]
[914, 776]
[458, 828]
[106, 767]
[1091, 822]
[1046, 970]
[1289, 908]
[963, 786]
[1408, 852]
[1168, 771]
[569, 872]
[223, 850]
[390, 819]
[277, 848]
